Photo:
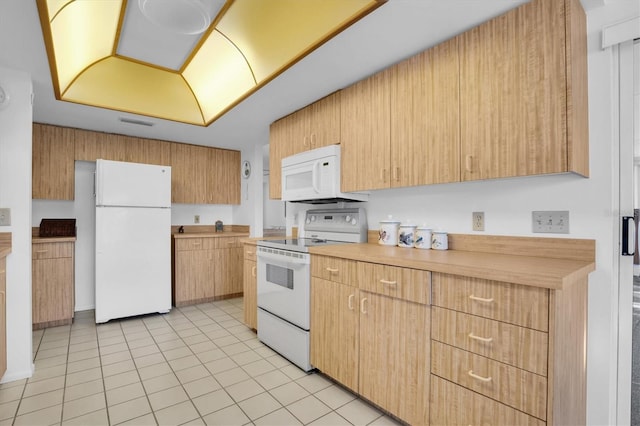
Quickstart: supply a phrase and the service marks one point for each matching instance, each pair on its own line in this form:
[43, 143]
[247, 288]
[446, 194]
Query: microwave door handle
[315, 181]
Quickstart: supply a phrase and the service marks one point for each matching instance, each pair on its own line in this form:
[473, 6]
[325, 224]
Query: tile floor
[196, 365]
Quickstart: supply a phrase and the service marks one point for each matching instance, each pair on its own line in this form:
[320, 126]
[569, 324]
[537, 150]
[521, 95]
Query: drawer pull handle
[196, 243]
[253, 271]
[482, 379]
[2, 271]
[249, 252]
[482, 339]
[331, 270]
[351, 296]
[41, 251]
[480, 299]
[362, 305]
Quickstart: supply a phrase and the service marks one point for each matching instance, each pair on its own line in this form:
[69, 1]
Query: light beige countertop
[210, 234]
[548, 272]
[5, 244]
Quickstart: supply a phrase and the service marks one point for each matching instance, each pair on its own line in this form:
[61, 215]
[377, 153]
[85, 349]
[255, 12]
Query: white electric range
[284, 279]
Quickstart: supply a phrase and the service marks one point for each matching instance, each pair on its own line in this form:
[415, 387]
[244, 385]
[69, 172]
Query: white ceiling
[398, 29]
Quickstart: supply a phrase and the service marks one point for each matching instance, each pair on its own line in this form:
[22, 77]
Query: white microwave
[314, 177]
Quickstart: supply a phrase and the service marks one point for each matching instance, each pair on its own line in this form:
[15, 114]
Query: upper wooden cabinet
[523, 93]
[425, 122]
[147, 151]
[53, 162]
[365, 131]
[225, 185]
[91, 146]
[313, 126]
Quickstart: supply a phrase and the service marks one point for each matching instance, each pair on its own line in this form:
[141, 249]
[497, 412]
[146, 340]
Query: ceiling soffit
[96, 53]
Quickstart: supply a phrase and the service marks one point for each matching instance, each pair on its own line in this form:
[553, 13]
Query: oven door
[283, 285]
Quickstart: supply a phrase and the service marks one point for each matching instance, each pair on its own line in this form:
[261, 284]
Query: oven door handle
[282, 260]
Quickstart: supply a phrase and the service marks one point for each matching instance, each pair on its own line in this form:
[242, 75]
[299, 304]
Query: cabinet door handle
[2, 271]
[482, 379]
[253, 271]
[249, 252]
[482, 339]
[331, 270]
[351, 296]
[480, 299]
[196, 243]
[305, 141]
[469, 163]
[389, 282]
[362, 302]
[383, 175]
[313, 139]
[41, 251]
[396, 173]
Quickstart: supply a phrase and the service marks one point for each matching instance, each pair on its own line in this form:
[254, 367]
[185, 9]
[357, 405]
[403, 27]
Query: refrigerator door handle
[94, 184]
[628, 236]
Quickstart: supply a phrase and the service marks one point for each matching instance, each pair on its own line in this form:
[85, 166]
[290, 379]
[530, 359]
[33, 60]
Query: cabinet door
[285, 139]
[365, 134]
[513, 93]
[324, 121]
[334, 331]
[250, 297]
[53, 162]
[148, 151]
[224, 177]
[394, 356]
[91, 146]
[52, 295]
[228, 271]
[425, 122]
[190, 169]
[194, 277]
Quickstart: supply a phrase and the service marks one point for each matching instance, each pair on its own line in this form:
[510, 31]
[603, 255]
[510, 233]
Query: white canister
[439, 241]
[423, 237]
[406, 235]
[388, 234]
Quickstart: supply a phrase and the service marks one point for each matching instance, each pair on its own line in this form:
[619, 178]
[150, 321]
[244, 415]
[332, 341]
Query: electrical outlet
[477, 221]
[553, 222]
[196, 218]
[5, 217]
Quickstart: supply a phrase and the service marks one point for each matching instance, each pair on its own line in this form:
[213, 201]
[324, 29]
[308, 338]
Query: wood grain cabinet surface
[250, 287]
[314, 126]
[206, 269]
[369, 341]
[53, 162]
[3, 316]
[53, 292]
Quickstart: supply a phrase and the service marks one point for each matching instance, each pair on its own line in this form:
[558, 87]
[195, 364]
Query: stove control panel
[346, 220]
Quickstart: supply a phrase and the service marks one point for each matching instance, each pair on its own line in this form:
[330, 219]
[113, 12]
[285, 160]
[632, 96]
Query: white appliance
[314, 177]
[133, 239]
[284, 279]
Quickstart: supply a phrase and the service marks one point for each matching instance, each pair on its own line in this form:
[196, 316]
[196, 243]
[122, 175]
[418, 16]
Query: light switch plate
[5, 217]
[552, 222]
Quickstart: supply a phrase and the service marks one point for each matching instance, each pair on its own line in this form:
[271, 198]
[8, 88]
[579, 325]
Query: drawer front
[182, 244]
[512, 386]
[517, 346]
[403, 283]
[454, 405]
[516, 304]
[334, 269]
[227, 242]
[250, 252]
[52, 250]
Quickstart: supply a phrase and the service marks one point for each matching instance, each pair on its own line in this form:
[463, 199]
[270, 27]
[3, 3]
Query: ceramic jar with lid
[439, 240]
[388, 234]
[423, 237]
[406, 235]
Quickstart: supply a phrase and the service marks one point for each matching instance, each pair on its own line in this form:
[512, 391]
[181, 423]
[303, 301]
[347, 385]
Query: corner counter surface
[538, 271]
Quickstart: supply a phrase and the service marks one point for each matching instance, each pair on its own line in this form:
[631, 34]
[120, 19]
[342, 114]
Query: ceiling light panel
[148, 40]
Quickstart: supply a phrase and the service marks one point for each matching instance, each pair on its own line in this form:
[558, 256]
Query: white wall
[15, 193]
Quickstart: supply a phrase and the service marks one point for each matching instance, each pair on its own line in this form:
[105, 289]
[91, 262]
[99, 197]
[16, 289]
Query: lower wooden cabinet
[376, 344]
[250, 287]
[3, 316]
[206, 269]
[53, 282]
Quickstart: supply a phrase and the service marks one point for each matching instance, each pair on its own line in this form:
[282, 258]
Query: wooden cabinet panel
[250, 252]
[194, 276]
[52, 284]
[518, 346]
[334, 269]
[194, 244]
[53, 170]
[250, 293]
[279, 147]
[334, 330]
[454, 405]
[394, 353]
[513, 93]
[224, 178]
[148, 151]
[189, 173]
[3, 316]
[365, 134]
[425, 122]
[517, 388]
[404, 283]
[228, 271]
[324, 121]
[91, 146]
[516, 304]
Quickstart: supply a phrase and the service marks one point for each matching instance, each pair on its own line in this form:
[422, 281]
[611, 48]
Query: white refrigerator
[133, 239]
